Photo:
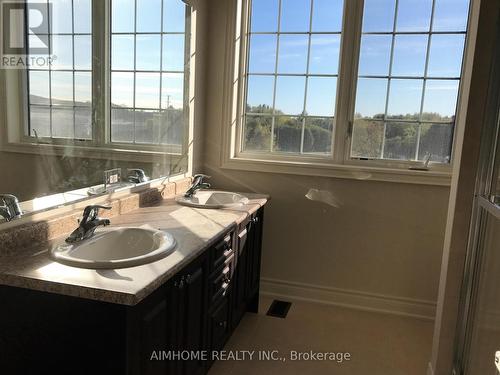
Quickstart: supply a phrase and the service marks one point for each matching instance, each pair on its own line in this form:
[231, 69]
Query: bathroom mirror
[97, 99]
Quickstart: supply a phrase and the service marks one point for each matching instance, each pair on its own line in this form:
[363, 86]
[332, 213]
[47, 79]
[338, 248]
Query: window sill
[354, 172]
[91, 152]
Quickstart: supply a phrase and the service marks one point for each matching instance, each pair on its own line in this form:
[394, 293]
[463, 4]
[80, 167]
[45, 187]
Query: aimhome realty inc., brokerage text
[248, 355]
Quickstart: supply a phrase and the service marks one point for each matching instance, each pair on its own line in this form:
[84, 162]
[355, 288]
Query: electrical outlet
[112, 176]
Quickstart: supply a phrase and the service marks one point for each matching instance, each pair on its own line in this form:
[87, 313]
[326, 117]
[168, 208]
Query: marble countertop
[194, 230]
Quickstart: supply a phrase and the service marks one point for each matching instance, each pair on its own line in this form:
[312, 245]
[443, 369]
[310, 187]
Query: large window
[292, 75]
[60, 95]
[146, 65]
[387, 80]
[408, 79]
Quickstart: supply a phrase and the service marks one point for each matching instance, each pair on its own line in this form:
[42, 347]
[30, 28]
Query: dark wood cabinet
[194, 312]
[247, 274]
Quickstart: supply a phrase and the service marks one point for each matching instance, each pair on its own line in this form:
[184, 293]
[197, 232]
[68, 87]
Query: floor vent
[279, 309]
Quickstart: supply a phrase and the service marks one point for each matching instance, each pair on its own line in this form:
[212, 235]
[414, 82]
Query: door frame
[482, 206]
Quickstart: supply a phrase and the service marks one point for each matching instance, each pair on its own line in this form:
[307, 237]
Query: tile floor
[379, 344]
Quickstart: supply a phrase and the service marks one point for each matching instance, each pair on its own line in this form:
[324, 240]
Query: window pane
[122, 125]
[290, 95]
[40, 121]
[260, 94]
[405, 99]
[321, 94]
[174, 16]
[123, 18]
[327, 15]
[295, 15]
[36, 42]
[318, 135]
[378, 15]
[257, 133]
[148, 15]
[450, 15]
[445, 56]
[440, 100]
[287, 134]
[409, 55]
[62, 47]
[82, 13]
[61, 17]
[371, 97]
[83, 123]
[83, 89]
[400, 141]
[324, 57]
[35, 18]
[122, 89]
[436, 139]
[264, 15]
[62, 123]
[147, 90]
[262, 57]
[414, 15]
[39, 87]
[173, 52]
[172, 91]
[122, 55]
[147, 126]
[375, 55]
[148, 49]
[367, 138]
[62, 88]
[172, 127]
[83, 52]
[293, 54]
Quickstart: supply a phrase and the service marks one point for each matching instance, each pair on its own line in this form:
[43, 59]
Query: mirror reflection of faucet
[10, 208]
[113, 180]
[136, 176]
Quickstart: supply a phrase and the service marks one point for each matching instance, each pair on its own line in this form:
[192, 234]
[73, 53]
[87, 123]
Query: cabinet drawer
[221, 280]
[221, 252]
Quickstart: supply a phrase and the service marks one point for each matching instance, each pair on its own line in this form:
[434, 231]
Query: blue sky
[410, 52]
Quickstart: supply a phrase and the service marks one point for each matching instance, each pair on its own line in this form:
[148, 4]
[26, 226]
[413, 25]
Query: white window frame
[14, 106]
[339, 163]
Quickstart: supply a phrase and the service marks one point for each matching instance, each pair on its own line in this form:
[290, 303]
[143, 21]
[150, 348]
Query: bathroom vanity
[166, 317]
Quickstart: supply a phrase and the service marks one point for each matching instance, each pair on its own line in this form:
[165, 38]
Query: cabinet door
[195, 316]
[219, 325]
[240, 278]
[255, 251]
[148, 333]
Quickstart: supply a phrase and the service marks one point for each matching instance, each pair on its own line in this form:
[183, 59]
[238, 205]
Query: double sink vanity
[157, 290]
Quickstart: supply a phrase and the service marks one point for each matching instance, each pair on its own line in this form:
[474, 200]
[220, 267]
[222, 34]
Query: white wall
[383, 238]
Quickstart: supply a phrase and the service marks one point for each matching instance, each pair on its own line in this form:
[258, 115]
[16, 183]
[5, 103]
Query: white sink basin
[213, 199]
[116, 248]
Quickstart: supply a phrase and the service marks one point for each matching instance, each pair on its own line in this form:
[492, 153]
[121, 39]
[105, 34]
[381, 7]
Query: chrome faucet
[136, 175]
[89, 223]
[197, 184]
[10, 208]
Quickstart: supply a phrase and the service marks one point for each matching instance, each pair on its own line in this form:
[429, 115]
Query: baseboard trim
[414, 308]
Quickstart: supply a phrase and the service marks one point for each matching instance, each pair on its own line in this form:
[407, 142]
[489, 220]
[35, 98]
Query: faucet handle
[90, 212]
[201, 175]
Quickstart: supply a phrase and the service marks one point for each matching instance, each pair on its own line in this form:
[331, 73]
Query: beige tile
[378, 343]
